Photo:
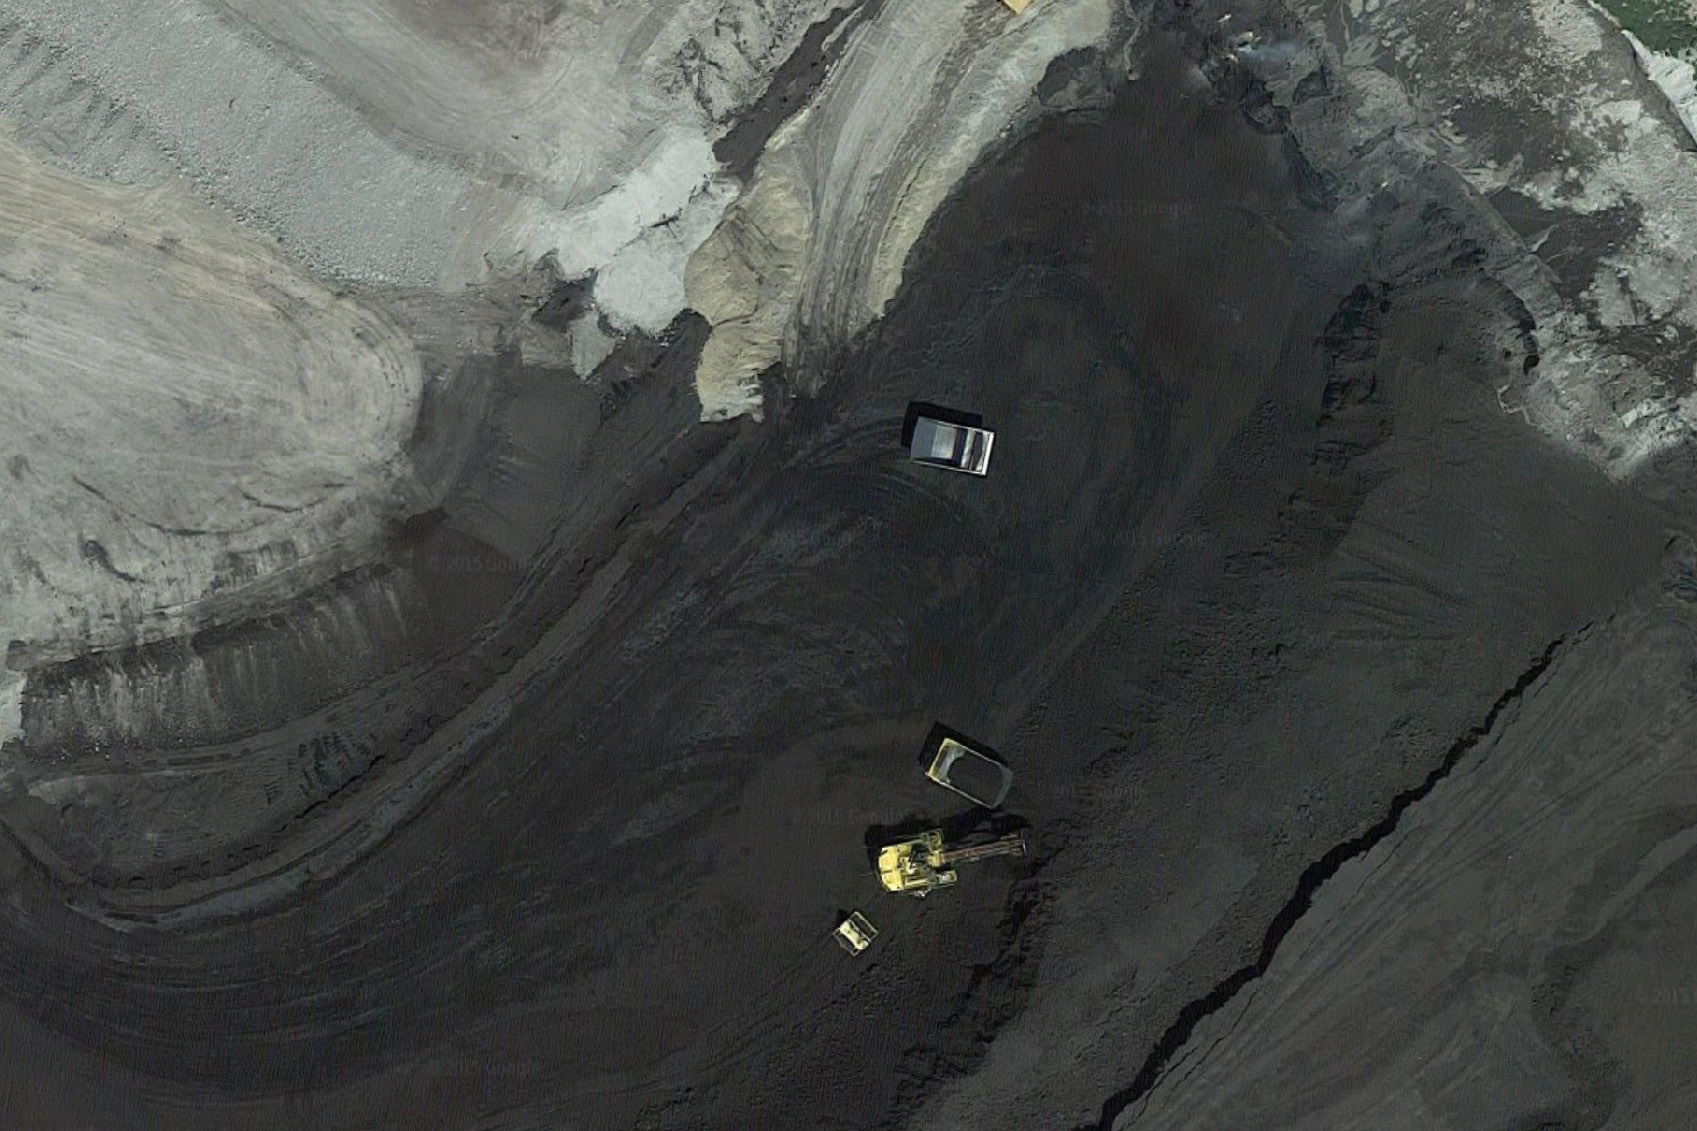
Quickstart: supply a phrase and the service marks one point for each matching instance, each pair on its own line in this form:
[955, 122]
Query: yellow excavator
[916, 866]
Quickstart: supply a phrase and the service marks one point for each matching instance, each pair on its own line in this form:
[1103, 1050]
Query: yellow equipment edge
[906, 867]
[855, 933]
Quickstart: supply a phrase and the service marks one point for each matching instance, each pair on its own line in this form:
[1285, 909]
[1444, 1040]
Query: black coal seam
[1316, 874]
[791, 88]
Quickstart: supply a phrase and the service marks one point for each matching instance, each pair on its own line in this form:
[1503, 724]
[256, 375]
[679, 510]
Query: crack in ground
[181, 531]
[1178, 1034]
[93, 551]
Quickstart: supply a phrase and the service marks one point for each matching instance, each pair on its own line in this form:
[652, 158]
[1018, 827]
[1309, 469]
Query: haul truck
[957, 447]
[973, 774]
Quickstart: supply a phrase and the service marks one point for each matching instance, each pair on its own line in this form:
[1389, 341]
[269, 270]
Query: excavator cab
[910, 867]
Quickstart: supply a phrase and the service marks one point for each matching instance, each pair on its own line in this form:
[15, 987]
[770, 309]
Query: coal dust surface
[1258, 547]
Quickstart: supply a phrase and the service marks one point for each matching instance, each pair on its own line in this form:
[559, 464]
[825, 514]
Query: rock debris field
[470, 617]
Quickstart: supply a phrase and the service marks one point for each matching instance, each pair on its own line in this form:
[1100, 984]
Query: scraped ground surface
[512, 747]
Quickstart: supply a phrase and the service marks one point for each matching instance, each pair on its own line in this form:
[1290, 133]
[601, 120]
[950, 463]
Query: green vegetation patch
[1668, 26]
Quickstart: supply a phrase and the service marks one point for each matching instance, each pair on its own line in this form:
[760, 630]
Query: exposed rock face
[408, 143]
[403, 144]
[196, 429]
[915, 98]
[433, 158]
[746, 282]
[1585, 175]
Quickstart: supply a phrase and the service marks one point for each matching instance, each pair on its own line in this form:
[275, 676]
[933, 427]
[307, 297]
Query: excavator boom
[1011, 845]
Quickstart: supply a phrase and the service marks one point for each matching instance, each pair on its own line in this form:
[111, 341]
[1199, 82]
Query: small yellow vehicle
[917, 866]
[957, 447]
[1018, 6]
[855, 933]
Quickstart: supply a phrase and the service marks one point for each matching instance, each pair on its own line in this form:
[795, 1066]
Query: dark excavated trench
[1195, 1012]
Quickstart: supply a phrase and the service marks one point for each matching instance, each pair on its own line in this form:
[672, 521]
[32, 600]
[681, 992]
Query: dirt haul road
[1260, 554]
